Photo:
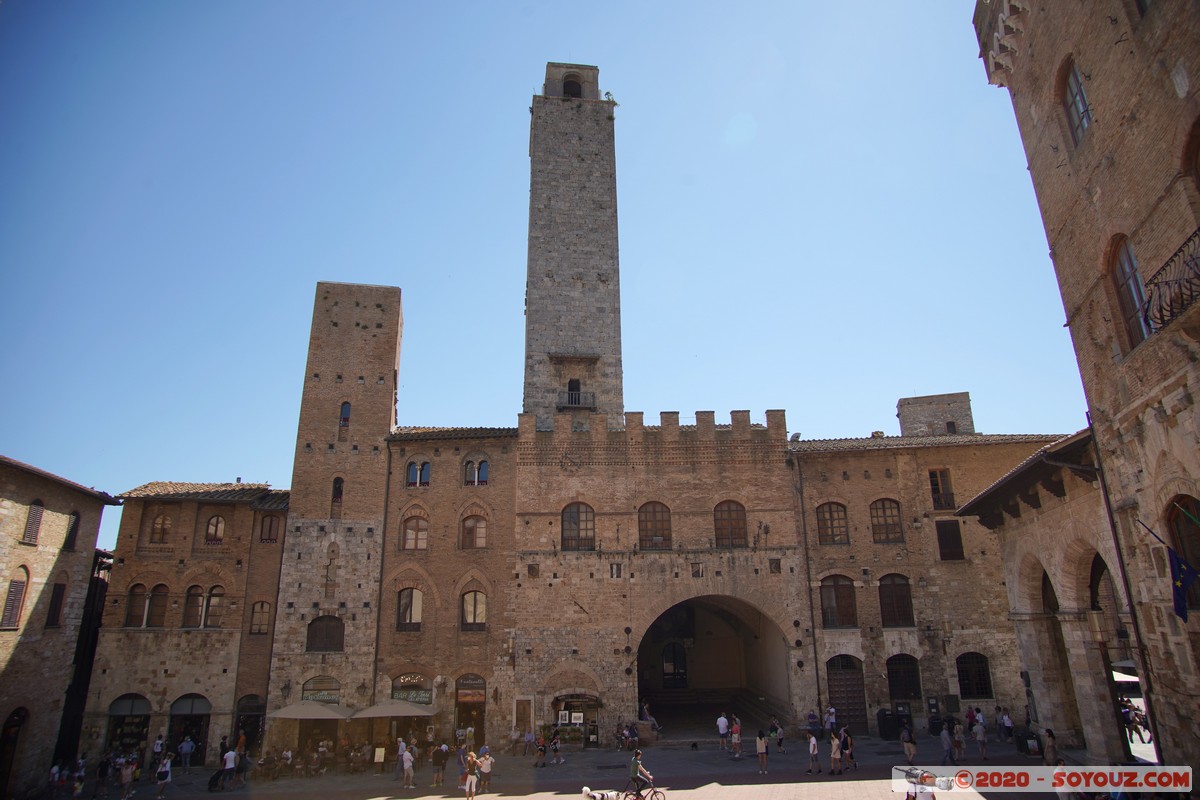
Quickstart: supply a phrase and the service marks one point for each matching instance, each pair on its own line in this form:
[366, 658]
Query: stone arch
[474, 579]
[1072, 582]
[414, 508]
[474, 507]
[1026, 593]
[572, 675]
[399, 578]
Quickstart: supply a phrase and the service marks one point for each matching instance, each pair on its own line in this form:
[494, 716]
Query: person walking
[163, 775]
[776, 733]
[486, 762]
[407, 758]
[440, 755]
[760, 746]
[186, 748]
[835, 754]
[1049, 748]
[723, 729]
[981, 737]
[735, 737]
[910, 746]
[814, 761]
[947, 747]
[847, 748]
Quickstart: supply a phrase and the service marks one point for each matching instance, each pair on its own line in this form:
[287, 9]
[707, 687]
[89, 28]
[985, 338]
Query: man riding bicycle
[636, 773]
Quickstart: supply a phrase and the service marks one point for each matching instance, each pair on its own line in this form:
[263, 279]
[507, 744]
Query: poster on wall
[564, 718]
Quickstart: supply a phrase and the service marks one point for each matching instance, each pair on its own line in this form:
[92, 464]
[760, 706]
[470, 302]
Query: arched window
[326, 634]
[572, 87]
[474, 533]
[886, 527]
[193, 607]
[1131, 295]
[729, 522]
[14, 601]
[832, 524]
[214, 607]
[156, 608]
[1182, 516]
[33, 522]
[414, 534]
[339, 489]
[160, 529]
[475, 474]
[654, 527]
[268, 531]
[214, 532]
[417, 474]
[260, 618]
[344, 416]
[72, 531]
[839, 609]
[895, 602]
[1075, 103]
[135, 606]
[904, 677]
[578, 527]
[974, 676]
[408, 609]
[474, 611]
[323, 689]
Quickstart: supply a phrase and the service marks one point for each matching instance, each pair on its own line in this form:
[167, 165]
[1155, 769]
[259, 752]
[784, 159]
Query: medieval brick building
[1107, 99]
[564, 568]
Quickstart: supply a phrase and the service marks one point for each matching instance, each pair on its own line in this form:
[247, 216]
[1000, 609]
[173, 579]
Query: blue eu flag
[1182, 576]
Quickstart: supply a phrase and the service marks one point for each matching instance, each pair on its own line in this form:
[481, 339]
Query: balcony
[569, 400]
[1174, 288]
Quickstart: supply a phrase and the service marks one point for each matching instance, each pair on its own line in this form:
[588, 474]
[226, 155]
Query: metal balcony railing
[1175, 287]
[576, 399]
[943, 500]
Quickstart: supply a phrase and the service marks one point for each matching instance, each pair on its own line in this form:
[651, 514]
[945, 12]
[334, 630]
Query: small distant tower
[936, 415]
[572, 290]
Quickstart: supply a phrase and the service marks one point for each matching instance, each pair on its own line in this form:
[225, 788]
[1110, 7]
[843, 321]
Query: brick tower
[325, 630]
[572, 291]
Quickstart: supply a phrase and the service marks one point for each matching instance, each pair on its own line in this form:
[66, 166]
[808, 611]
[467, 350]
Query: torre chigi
[562, 570]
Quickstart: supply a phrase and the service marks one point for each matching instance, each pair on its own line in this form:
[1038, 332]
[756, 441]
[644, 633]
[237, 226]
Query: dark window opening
[949, 537]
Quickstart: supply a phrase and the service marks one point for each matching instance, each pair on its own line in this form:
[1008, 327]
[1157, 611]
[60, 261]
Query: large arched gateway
[715, 652]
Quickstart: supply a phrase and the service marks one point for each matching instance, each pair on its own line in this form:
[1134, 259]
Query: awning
[311, 709]
[395, 708]
[1121, 677]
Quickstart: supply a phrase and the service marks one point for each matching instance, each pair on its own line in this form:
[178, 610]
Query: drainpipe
[1148, 688]
[812, 619]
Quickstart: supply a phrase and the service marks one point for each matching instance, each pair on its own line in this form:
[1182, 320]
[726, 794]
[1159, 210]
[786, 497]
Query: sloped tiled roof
[900, 442]
[273, 500]
[220, 492]
[104, 497]
[410, 433]
[1059, 444]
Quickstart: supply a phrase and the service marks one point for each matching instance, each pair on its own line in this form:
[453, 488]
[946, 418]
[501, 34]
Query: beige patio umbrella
[311, 709]
[395, 708]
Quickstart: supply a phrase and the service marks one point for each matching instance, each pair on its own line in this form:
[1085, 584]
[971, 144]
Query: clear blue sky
[824, 207]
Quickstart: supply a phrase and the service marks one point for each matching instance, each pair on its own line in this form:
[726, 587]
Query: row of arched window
[474, 473]
[974, 677]
[839, 606]
[410, 604]
[269, 529]
[202, 608]
[887, 524]
[33, 526]
[578, 528]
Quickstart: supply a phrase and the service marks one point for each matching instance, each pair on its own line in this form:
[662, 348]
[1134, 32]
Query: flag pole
[1144, 676]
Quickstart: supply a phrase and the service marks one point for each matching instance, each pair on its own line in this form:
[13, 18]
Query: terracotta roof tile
[410, 433]
[1053, 447]
[104, 497]
[221, 492]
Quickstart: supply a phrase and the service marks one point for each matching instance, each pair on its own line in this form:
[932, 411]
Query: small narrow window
[335, 498]
[156, 608]
[474, 611]
[193, 607]
[344, 416]
[54, 612]
[409, 610]
[412, 473]
[214, 607]
[135, 606]
[425, 469]
[482, 475]
[72, 531]
[33, 523]
[1131, 296]
[269, 529]
[1079, 113]
[14, 601]
[949, 536]
[939, 487]
[615, 569]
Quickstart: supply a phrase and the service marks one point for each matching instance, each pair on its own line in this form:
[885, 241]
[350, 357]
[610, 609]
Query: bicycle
[647, 792]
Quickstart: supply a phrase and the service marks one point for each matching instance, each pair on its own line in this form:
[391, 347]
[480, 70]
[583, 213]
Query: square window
[775, 566]
[697, 570]
[614, 569]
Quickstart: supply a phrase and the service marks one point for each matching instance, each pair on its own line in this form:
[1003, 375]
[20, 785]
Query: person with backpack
[848, 760]
[910, 746]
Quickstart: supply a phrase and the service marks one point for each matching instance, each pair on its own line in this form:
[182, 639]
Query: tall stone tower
[325, 629]
[572, 291]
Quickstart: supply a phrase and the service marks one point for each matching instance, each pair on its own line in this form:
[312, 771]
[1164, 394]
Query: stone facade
[565, 568]
[1105, 96]
[48, 529]
[189, 624]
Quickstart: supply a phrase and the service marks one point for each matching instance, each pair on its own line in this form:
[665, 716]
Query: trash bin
[889, 724]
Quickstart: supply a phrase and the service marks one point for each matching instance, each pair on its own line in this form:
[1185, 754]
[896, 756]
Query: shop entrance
[190, 715]
[470, 706]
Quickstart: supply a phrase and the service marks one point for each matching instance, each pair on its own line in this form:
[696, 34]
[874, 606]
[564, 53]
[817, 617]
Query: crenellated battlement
[595, 427]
